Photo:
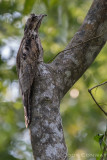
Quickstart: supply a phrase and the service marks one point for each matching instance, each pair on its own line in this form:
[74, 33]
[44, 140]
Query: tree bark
[56, 78]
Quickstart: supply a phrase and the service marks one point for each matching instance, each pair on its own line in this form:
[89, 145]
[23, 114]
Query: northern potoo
[29, 55]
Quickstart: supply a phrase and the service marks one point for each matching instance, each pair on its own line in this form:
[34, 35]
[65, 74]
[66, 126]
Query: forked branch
[90, 91]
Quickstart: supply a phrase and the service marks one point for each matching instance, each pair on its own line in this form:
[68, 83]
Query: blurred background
[82, 119]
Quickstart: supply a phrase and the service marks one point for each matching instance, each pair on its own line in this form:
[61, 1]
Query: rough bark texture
[56, 78]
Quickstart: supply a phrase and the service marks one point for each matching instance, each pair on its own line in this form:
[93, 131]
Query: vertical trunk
[46, 129]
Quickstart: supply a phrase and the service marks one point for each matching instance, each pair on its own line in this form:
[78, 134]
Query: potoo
[30, 53]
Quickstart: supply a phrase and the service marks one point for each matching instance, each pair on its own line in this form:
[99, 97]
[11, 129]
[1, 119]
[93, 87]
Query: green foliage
[81, 118]
[28, 6]
[102, 140]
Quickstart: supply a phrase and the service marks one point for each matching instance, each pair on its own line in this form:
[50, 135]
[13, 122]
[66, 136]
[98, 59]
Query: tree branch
[71, 63]
[74, 47]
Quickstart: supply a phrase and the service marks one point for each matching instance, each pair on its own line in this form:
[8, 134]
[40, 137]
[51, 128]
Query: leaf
[28, 6]
[99, 155]
[99, 138]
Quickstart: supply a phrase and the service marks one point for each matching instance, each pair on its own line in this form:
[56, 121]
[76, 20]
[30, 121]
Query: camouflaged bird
[30, 53]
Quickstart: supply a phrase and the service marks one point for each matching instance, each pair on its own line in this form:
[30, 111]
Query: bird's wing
[26, 67]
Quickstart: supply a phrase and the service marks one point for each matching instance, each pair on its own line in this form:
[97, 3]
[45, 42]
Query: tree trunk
[56, 78]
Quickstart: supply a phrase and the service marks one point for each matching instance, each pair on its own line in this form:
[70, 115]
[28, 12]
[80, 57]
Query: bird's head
[33, 23]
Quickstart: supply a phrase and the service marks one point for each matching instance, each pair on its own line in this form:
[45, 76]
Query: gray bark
[56, 78]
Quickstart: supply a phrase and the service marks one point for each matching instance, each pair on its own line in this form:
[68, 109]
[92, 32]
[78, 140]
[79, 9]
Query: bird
[30, 53]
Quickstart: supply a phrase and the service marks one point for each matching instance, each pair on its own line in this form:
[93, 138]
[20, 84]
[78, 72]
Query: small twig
[103, 154]
[89, 90]
[74, 47]
[98, 85]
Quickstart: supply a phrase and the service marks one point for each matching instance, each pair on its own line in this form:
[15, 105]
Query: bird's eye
[34, 18]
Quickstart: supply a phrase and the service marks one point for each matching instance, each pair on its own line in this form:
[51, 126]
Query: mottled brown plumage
[30, 53]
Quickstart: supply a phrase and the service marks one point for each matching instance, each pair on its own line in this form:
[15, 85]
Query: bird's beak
[40, 19]
[42, 16]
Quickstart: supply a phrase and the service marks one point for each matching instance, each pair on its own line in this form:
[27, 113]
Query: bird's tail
[27, 110]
